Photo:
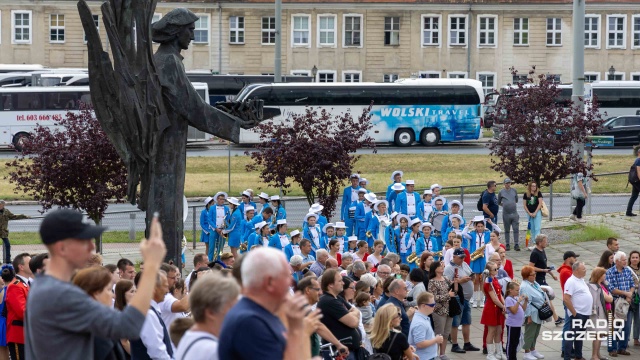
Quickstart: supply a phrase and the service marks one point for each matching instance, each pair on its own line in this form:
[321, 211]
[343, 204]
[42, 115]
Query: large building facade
[360, 40]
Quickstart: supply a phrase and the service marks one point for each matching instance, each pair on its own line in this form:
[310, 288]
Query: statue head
[176, 25]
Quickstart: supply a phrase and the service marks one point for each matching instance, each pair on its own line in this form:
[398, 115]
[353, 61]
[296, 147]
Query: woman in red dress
[493, 312]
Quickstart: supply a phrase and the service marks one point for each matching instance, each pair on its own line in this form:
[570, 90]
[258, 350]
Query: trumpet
[412, 258]
[369, 234]
[438, 254]
[478, 253]
[243, 246]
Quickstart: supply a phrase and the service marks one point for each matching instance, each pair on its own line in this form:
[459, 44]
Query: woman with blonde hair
[386, 339]
[602, 301]
[532, 323]
[532, 203]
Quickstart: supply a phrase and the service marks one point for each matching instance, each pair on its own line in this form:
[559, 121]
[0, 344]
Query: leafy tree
[71, 165]
[539, 130]
[314, 150]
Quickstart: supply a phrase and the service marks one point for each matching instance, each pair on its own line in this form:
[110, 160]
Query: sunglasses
[429, 305]
[398, 315]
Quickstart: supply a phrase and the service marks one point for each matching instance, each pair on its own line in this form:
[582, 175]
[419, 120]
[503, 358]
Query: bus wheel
[430, 137]
[18, 140]
[404, 137]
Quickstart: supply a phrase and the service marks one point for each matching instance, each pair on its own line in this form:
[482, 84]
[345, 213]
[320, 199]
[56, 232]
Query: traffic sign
[599, 140]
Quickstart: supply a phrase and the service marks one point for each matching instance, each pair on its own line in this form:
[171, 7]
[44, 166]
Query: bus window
[466, 95]
[85, 100]
[7, 102]
[27, 101]
[61, 101]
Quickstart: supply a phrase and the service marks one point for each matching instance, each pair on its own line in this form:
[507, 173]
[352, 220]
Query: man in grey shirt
[61, 320]
[458, 269]
[508, 199]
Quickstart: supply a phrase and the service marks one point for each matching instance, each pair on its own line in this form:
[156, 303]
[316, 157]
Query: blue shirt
[265, 331]
[404, 323]
[619, 280]
[492, 203]
[419, 331]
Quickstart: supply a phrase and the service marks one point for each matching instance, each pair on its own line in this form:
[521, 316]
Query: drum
[352, 212]
[437, 222]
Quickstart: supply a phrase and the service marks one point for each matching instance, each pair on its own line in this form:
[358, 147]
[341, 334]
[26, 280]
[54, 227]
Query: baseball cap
[569, 254]
[459, 252]
[67, 224]
[506, 180]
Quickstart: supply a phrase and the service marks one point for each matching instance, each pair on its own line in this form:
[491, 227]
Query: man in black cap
[458, 269]
[61, 317]
[565, 271]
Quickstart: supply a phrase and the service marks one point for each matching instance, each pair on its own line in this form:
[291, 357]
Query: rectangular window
[327, 30]
[21, 27]
[301, 72]
[96, 21]
[457, 30]
[554, 31]
[554, 78]
[236, 29]
[592, 31]
[521, 31]
[636, 31]
[488, 81]
[201, 32]
[487, 30]
[616, 29]
[635, 76]
[429, 74]
[326, 76]
[618, 76]
[56, 28]
[591, 77]
[268, 30]
[431, 30]
[352, 76]
[457, 75]
[392, 31]
[519, 79]
[301, 30]
[352, 30]
[389, 78]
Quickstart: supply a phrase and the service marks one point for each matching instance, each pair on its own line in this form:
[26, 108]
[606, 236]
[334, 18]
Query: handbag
[575, 191]
[621, 308]
[454, 303]
[384, 356]
[544, 209]
[544, 311]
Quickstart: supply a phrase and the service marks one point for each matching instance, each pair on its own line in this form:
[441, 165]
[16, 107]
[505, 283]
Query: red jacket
[565, 272]
[508, 267]
[16, 304]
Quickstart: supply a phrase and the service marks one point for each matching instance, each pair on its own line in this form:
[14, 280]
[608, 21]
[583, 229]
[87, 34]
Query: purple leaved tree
[539, 130]
[314, 150]
[71, 165]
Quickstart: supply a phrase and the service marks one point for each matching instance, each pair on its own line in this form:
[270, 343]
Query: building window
[521, 31]
[636, 31]
[519, 79]
[352, 76]
[353, 30]
[301, 29]
[201, 32]
[429, 74]
[591, 77]
[457, 75]
[327, 30]
[21, 27]
[156, 17]
[56, 28]
[301, 72]
[554, 78]
[326, 76]
[430, 30]
[236, 29]
[268, 30]
[488, 81]
[389, 78]
[592, 31]
[618, 76]
[487, 30]
[392, 31]
[635, 76]
[554, 31]
[616, 29]
[457, 30]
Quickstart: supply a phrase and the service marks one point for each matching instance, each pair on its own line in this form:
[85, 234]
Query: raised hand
[153, 250]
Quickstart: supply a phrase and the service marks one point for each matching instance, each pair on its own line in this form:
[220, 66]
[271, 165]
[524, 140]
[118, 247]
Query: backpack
[633, 175]
[480, 203]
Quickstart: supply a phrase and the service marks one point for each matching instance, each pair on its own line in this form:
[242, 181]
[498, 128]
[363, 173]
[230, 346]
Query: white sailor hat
[427, 192]
[281, 222]
[371, 197]
[340, 225]
[233, 201]
[246, 193]
[435, 186]
[456, 202]
[397, 187]
[363, 190]
[264, 196]
[294, 233]
[393, 215]
[249, 208]
[260, 225]
[426, 224]
[316, 208]
[410, 182]
[414, 221]
[328, 225]
[456, 216]
[438, 198]
[274, 198]
[208, 200]
[397, 172]
[220, 193]
[355, 176]
[352, 238]
[378, 202]
[478, 218]
[311, 214]
[403, 216]
[365, 181]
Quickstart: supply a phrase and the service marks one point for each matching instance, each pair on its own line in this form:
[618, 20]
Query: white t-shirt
[203, 349]
[580, 295]
[448, 256]
[165, 310]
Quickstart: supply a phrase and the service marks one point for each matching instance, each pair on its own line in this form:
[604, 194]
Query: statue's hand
[248, 113]
[249, 123]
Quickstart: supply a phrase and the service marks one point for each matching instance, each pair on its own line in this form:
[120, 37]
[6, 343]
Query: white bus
[426, 110]
[21, 108]
[616, 98]
[5, 68]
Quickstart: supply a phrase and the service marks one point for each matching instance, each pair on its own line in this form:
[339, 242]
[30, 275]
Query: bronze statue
[145, 104]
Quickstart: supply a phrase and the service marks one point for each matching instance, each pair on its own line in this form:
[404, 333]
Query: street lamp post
[314, 72]
[612, 73]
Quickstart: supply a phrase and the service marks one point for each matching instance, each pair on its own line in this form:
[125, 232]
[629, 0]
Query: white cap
[260, 225]
[274, 197]
[352, 238]
[414, 221]
[410, 182]
[355, 176]
[378, 202]
[340, 225]
[403, 216]
[456, 202]
[220, 193]
[438, 198]
[393, 214]
[478, 218]
[310, 215]
[427, 192]
[397, 172]
[436, 186]
[294, 233]
[365, 181]
[456, 216]
[233, 201]
[316, 208]
[208, 200]
[426, 224]
[264, 196]
[281, 222]
[328, 225]
[397, 187]
[249, 208]
[246, 193]
[363, 190]
[371, 197]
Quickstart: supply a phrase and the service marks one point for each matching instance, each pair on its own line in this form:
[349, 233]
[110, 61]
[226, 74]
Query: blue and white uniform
[292, 249]
[204, 225]
[234, 228]
[348, 210]
[216, 218]
[476, 241]
[424, 210]
[313, 234]
[279, 241]
[407, 203]
[408, 246]
[242, 206]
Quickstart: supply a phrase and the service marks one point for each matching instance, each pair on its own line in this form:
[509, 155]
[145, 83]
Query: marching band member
[312, 232]
[397, 190]
[246, 201]
[456, 207]
[348, 210]
[328, 234]
[260, 237]
[280, 239]
[379, 216]
[317, 209]
[247, 225]
[424, 207]
[478, 237]
[396, 177]
[234, 227]
[402, 229]
[294, 246]
[265, 215]
[363, 208]
[435, 189]
[408, 241]
[369, 214]
[426, 242]
[263, 199]
[391, 240]
[278, 210]
[204, 223]
[437, 219]
[352, 245]
[216, 217]
[341, 230]
[407, 201]
[364, 183]
[456, 226]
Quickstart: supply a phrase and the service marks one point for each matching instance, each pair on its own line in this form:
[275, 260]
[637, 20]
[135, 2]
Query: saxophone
[413, 258]
[478, 253]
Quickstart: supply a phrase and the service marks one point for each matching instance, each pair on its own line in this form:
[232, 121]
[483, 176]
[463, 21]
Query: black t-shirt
[333, 309]
[396, 349]
[532, 202]
[492, 203]
[539, 260]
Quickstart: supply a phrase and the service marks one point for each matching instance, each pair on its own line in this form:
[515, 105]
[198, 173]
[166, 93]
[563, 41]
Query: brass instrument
[417, 260]
[243, 246]
[412, 258]
[478, 253]
[438, 254]
[369, 234]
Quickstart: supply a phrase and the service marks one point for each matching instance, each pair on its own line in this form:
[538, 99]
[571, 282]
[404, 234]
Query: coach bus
[21, 108]
[617, 98]
[430, 111]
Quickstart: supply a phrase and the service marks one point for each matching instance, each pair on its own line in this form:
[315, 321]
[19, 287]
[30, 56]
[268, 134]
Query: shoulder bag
[544, 209]
[544, 311]
[454, 303]
[384, 356]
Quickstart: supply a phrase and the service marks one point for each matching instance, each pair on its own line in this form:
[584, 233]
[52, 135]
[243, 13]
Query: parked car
[624, 129]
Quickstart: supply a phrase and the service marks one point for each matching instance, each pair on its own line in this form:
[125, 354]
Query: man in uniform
[16, 303]
[396, 177]
[217, 214]
[348, 210]
[407, 201]
[5, 216]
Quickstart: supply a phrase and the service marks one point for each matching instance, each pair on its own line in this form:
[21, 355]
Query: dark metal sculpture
[145, 104]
